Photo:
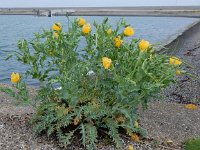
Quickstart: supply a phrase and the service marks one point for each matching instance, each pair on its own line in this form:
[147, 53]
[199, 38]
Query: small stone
[1, 126]
[91, 72]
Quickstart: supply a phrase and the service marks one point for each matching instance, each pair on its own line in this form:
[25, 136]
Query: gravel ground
[164, 120]
[170, 121]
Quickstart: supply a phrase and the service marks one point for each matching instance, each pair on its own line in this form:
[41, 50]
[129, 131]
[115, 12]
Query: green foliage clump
[192, 144]
[102, 75]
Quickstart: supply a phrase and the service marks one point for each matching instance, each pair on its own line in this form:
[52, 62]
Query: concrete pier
[181, 11]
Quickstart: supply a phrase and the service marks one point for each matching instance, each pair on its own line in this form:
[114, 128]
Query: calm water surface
[13, 28]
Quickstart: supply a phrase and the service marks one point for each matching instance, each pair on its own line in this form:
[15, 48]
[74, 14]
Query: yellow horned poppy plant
[129, 31]
[81, 22]
[174, 61]
[15, 77]
[143, 45]
[106, 62]
[57, 26]
[86, 74]
[86, 28]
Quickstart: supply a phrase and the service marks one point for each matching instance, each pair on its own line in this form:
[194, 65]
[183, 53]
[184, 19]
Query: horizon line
[101, 6]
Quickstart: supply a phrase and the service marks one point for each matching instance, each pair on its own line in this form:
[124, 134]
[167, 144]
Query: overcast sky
[95, 3]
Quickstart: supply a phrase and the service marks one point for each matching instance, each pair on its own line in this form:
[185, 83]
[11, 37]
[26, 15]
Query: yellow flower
[129, 31]
[118, 41]
[15, 77]
[55, 35]
[178, 72]
[109, 31]
[174, 61]
[86, 28]
[191, 106]
[106, 62]
[135, 137]
[130, 147]
[57, 26]
[81, 22]
[143, 45]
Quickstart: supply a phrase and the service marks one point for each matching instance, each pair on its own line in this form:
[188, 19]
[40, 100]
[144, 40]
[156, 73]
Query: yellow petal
[81, 22]
[135, 137]
[57, 26]
[191, 106]
[143, 45]
[106, 62]
[129, 31]
[15, 77]
[130, 147]
[174, 61]
[118, 41]
[86, 28]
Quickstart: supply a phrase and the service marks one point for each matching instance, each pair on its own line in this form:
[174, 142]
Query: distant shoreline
[172, 11]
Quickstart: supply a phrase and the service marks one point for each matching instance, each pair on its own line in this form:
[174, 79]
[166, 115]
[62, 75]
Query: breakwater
[181, 11]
